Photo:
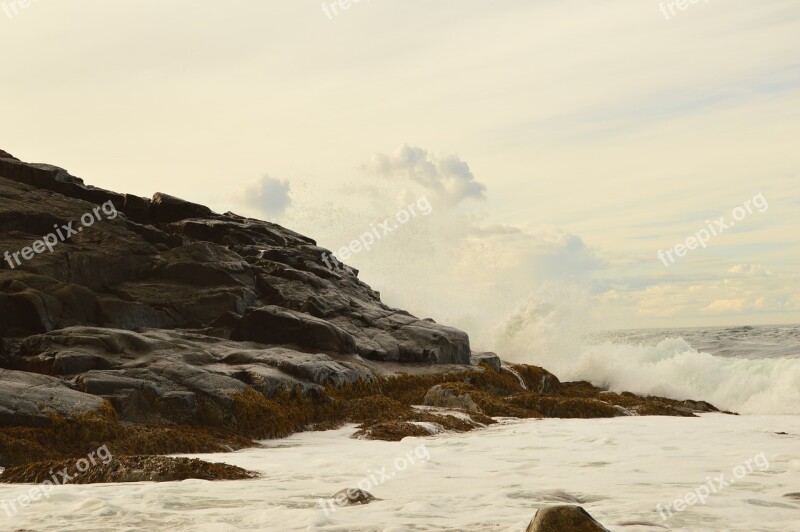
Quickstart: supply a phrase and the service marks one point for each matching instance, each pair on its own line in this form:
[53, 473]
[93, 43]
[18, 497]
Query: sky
[565, 148]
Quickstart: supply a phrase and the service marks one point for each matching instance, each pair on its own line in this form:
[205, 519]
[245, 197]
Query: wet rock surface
[31, 399]
[163, 327]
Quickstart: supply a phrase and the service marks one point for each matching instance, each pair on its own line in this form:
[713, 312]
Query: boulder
[446, 397]
[564, 518]
[352, 496]
[488, 359]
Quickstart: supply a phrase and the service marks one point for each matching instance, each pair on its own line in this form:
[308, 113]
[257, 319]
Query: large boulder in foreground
[564, 518]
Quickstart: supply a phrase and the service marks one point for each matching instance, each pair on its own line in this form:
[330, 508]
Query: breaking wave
[550, 329]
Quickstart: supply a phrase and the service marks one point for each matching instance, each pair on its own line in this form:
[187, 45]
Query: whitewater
[748, 370]
[494, 479]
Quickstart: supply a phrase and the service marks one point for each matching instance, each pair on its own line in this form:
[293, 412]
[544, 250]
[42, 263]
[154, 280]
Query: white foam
[492, 479]
[549, 331]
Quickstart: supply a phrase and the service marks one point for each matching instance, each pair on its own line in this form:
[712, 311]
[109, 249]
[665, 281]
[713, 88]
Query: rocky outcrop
[159, 326]
[124, 469]
[167, 263]
[564, 518]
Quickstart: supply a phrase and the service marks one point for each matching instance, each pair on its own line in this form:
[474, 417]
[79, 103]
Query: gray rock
[490, 359]
[161, 375]
[352, 496]
[317, 368]
[443, 397]
[275, 325]
[31, 400]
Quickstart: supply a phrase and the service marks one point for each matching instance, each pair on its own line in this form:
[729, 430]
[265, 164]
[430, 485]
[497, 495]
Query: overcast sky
[560, 144]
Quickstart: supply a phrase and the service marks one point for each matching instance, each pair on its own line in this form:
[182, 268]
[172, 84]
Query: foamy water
[749, 370]
[673, 368]
[493, 479]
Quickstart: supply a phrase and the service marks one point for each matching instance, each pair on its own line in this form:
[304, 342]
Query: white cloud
[728, 306]
[269, 196]
[749, 270]
[447, 176]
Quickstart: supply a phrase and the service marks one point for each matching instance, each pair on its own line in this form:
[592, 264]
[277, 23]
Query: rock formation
[159, 326]
[126, 469]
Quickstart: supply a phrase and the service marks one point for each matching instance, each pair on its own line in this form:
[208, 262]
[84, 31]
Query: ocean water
[754, 342]
[495, 479]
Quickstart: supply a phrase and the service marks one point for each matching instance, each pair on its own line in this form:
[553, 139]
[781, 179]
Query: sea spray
[550, 330]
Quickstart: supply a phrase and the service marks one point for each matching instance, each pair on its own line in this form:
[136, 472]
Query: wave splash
[550, 329]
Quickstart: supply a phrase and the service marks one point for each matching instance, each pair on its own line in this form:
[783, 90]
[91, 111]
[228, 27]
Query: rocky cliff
[156, 325]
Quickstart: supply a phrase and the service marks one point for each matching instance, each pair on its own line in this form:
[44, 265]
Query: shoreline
[603, 465]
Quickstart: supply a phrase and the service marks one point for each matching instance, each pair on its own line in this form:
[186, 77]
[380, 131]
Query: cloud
[539, 253]
[706, 298]
[456, 264]
[445, 175]
[749, 270]
[728, 305]
[269, 195]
